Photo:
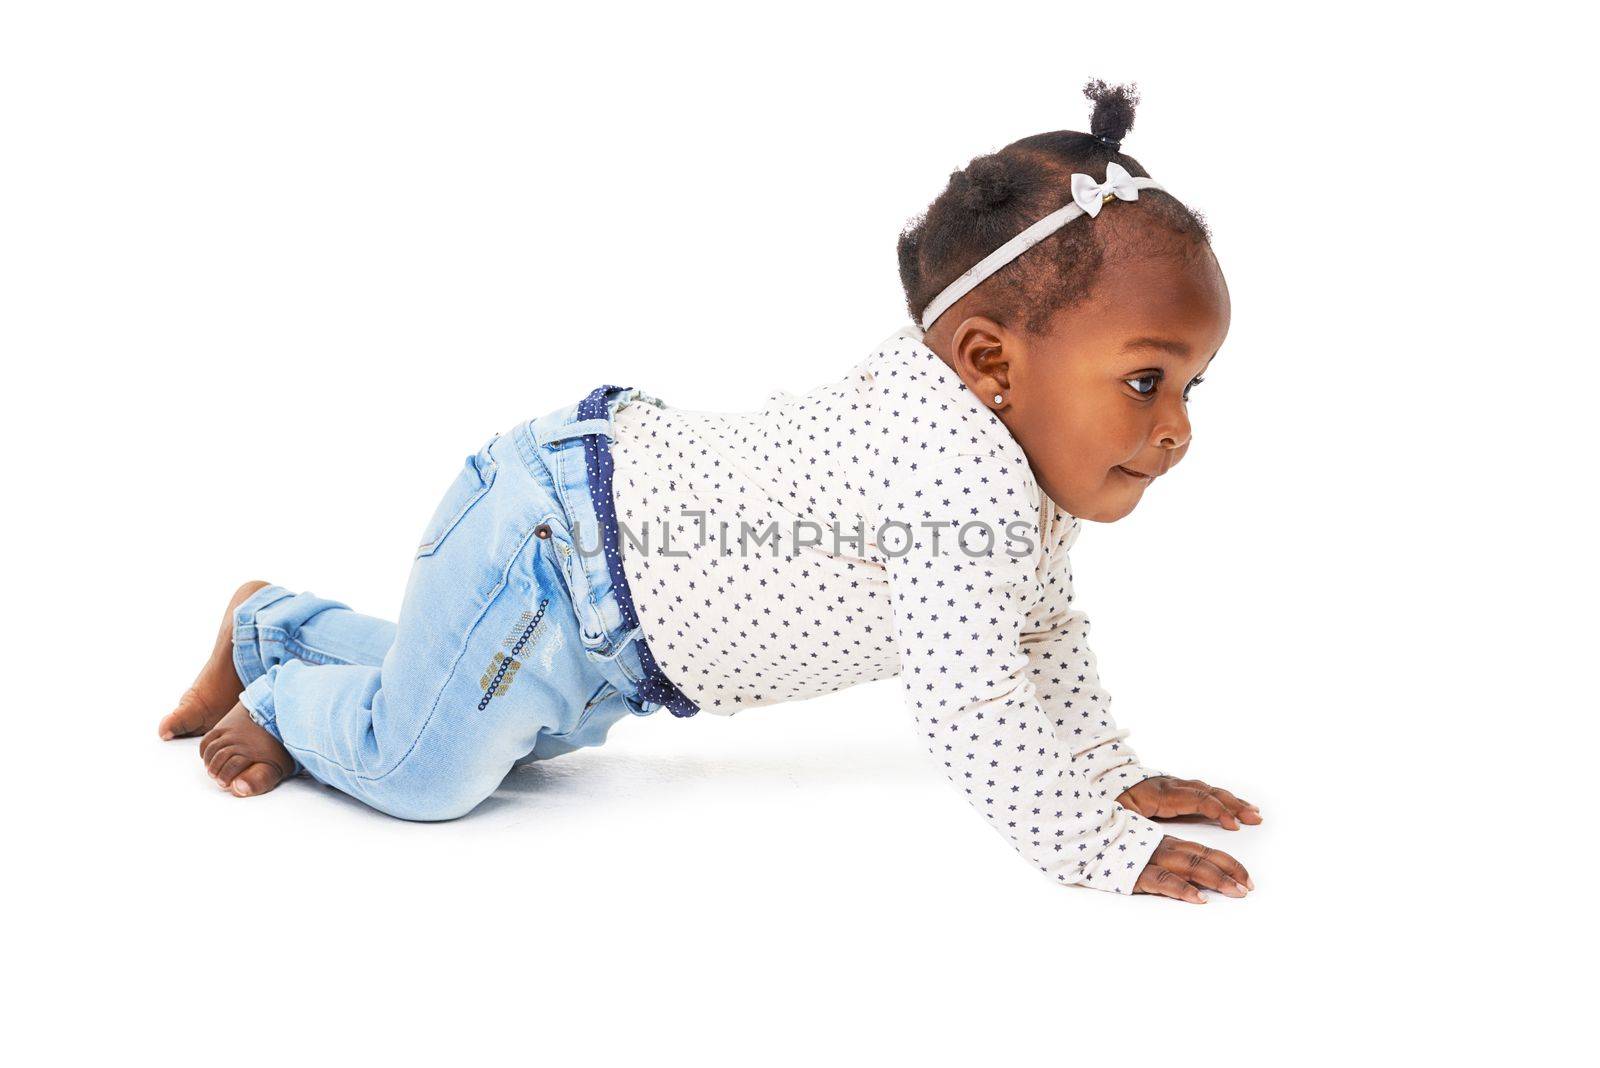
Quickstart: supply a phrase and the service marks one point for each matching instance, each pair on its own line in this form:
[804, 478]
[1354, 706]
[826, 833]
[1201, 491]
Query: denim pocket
[604, 709]
[605, 691]
[634, 675]
[470, 484]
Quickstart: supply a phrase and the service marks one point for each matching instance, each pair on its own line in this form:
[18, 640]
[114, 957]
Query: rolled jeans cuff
[257, 700]
[246, 646]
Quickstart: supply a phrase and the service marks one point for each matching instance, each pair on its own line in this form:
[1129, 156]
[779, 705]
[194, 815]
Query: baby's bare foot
[241, 756]
[217, 688]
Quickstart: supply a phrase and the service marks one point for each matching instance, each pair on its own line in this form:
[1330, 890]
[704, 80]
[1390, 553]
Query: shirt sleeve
[1065, 673]
[960, 538]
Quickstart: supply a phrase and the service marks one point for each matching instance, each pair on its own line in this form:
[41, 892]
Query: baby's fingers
[1213, 857]
[1158, 880]
[1202, 872]
[1244, 810]
[1199, 800]
[1213, 807]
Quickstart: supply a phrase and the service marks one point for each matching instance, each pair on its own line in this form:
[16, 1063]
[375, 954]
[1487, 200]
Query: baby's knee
[440, 794]
[436, 809]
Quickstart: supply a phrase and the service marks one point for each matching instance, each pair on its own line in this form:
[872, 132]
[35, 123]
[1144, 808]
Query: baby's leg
[272, 625]
[463, 695]
[485, 659]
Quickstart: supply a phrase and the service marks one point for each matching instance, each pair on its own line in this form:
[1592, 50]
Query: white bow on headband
[1088, 196]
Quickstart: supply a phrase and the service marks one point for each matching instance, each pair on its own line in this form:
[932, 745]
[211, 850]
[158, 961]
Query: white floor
[793, 885]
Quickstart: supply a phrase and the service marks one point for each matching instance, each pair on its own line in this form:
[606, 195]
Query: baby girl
[619, 555]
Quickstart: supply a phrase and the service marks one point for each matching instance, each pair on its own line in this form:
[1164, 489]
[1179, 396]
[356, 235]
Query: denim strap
[548, 435]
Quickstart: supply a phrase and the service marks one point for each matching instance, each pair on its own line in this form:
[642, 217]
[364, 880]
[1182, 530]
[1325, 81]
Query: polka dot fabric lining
[655, 687]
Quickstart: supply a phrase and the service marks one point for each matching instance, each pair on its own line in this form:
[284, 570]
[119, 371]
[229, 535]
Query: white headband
[1087, 196]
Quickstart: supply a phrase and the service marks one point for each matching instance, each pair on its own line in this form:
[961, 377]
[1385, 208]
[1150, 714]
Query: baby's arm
[959, 612]
[1066, 676]
[1068, 683]
[958, 616]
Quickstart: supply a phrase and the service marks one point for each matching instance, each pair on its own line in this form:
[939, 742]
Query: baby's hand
[1164, 797]
[1180, 869]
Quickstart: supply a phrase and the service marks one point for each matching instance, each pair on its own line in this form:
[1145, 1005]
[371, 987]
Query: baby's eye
[1144, 385]
[1197, 380]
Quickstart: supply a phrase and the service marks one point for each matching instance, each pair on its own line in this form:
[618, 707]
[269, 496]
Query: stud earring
[998, 399]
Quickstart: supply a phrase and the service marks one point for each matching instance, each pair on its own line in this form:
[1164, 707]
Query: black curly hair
[997, 196]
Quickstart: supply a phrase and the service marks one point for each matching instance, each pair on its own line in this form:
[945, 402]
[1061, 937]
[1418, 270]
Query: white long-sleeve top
[949, 568]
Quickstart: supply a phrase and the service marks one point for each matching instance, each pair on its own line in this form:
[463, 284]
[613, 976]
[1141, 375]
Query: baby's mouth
[1136, 474]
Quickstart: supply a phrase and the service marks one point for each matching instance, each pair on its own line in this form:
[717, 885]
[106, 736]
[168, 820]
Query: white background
[268, 272]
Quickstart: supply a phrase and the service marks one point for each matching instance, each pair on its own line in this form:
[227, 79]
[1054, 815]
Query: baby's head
[1093, 337]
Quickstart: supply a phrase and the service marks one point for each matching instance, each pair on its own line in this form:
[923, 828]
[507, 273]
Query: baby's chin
[1115, 499]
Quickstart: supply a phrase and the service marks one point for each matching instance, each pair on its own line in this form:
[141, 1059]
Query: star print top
[886, 523]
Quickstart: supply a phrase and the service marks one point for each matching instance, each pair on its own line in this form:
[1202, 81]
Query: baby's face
[1098, 404]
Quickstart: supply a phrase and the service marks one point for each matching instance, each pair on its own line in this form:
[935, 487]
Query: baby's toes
[214, 739]
[256, 779]
[219, 756]
[192, 716]
[231, 767]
